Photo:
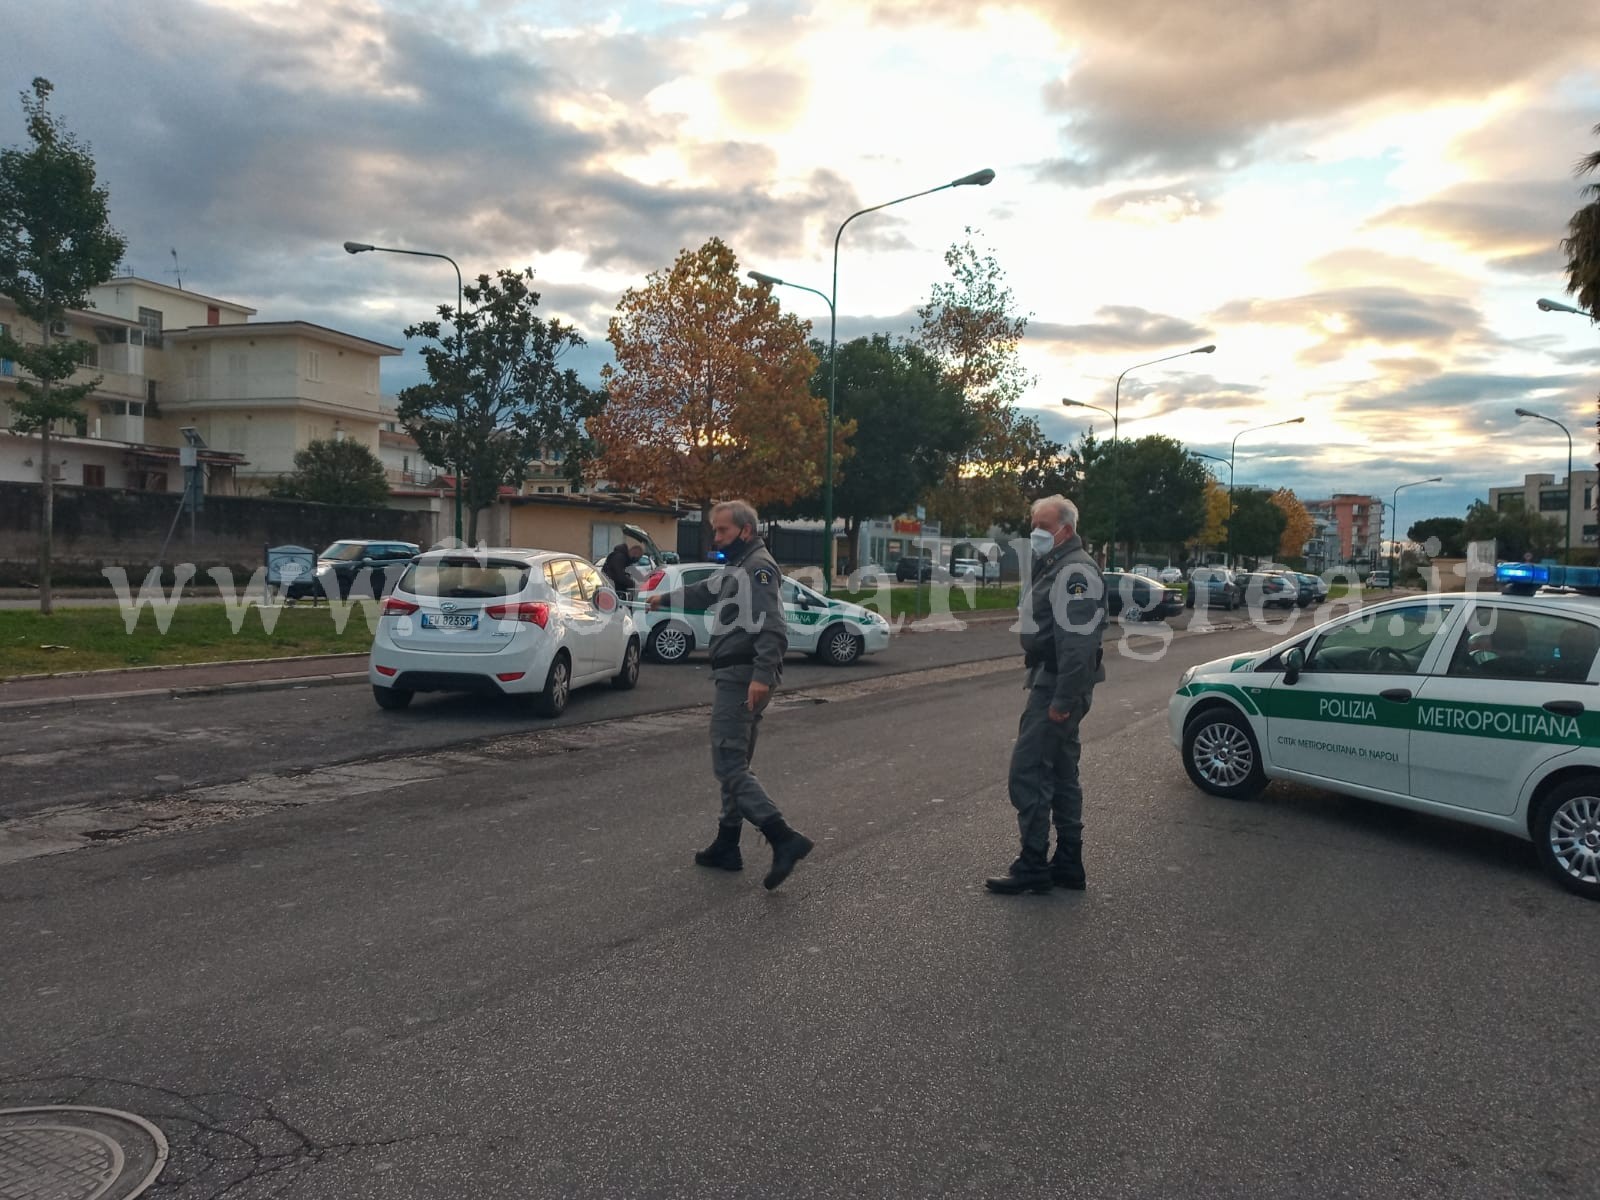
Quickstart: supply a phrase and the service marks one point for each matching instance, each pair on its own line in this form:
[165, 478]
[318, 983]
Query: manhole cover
[68, 1153]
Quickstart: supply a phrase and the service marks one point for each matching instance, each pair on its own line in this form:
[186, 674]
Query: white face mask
[1042, 541]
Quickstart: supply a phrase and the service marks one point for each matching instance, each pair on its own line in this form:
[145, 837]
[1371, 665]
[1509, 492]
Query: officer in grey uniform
[749, 635]
[1063, 617]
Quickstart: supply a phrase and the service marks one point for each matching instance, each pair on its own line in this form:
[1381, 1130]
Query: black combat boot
[1066, 868]
[788, 848]
[724, 852]
[1025, 875]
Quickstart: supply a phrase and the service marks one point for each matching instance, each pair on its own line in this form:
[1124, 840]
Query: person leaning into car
[749, 635]
[1063, 616]
[623, 555]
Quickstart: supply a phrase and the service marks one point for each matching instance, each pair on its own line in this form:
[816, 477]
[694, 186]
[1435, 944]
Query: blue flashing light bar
[1534, 575]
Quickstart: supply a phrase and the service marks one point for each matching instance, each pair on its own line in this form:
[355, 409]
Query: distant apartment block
[1349, 528]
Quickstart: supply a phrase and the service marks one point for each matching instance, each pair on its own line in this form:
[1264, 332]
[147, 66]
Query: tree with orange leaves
[1299, 526]
[710, 394]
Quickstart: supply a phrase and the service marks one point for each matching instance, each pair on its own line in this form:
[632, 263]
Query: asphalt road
[498, 973]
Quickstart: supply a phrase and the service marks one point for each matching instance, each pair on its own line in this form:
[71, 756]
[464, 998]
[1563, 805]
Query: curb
[223, 662]
[185, 693]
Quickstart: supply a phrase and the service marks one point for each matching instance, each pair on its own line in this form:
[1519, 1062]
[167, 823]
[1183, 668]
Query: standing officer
[1063, 617]
[749, 635]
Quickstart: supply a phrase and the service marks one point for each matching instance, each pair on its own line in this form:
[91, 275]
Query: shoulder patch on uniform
[764, 575]
[1077, 587]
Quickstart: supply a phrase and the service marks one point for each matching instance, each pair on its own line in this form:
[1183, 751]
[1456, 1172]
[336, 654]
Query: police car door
[1491, 717]
[804, 613]
[1347, 717]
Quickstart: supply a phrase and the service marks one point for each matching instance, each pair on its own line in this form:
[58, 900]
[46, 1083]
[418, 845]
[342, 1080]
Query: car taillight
[531, 611]
[394, 607]
[655, 578]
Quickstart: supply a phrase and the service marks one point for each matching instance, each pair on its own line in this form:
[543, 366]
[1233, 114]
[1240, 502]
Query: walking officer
[1063, 616]
[749, 635]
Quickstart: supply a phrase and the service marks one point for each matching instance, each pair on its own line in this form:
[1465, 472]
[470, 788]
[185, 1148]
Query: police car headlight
[1183, 680]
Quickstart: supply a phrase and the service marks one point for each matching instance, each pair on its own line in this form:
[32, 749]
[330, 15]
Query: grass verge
[91, 639]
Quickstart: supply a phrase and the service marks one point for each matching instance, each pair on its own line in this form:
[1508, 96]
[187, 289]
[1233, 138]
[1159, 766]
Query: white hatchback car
[1481, 708]
[836, 631]
[506, 622]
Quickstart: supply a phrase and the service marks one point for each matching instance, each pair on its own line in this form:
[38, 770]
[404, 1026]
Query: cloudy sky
[1358, 201]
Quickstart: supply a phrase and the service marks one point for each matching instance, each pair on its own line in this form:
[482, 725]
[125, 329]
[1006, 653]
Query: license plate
[450, 620]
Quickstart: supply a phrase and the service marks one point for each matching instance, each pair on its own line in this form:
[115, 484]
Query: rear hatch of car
[466, 605]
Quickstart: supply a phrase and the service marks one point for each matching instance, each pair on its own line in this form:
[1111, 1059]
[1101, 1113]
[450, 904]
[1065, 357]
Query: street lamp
[362, 248]
[1523, 412]
[978, 179]
[1081, 404]
[1394, 525]
[1557, 306]
[1232, 450]
[1116, 448]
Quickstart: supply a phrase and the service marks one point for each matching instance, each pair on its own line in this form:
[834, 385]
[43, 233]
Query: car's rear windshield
[345, 551]
[469, 578]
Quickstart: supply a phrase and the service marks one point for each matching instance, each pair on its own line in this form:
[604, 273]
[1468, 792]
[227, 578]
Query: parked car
[1214, 587]
[1139, 598]
[1318, 586]
[1268, 589]
[983, 570]
[836, 631]
[340, 568]
[1305, 587]
[505, 622]
[1170, 575]
[1473, 706]
[912, 568]
[1378, 579]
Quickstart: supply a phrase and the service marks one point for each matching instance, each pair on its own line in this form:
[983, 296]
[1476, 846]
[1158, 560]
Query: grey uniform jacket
[749, 633]
[1063, 620]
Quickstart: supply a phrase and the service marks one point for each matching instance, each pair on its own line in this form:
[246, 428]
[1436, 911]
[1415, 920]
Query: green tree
[909, 423]
[1516, 532]
[1164, 489]
[1447, 529]
[336, 472]
[1258, 523]
[497, 396]
[56, 242]
[970, 326]
[1582, 243]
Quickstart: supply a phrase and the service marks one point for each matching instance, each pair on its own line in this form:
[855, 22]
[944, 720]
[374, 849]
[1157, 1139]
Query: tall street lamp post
[1116, 446]
[1233, 450]
[1394, 526]
[978, 178]
[362, 248]
[1557, 306]
[1523, 412]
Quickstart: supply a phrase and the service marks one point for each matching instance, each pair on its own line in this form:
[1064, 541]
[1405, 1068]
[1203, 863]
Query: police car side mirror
[1293, 663]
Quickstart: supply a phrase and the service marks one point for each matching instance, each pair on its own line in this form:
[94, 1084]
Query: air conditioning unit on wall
[58, 328]
[58, 472]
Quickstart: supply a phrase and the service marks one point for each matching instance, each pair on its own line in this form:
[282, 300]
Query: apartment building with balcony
[1349, 528]
[112, 443]
[255, 391]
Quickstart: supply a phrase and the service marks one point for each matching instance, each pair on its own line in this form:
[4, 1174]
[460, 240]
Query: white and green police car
[1484, 708]
[836, 631]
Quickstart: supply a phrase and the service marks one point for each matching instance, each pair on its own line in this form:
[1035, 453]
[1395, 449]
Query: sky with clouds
[1357, 201]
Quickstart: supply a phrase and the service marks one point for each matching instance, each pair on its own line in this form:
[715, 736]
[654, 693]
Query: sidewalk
[250, 675]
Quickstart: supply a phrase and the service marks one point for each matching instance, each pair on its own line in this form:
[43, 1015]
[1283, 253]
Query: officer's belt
[747, 658]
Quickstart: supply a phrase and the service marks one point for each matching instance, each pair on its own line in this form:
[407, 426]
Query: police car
[836, 631]
[1479, 707]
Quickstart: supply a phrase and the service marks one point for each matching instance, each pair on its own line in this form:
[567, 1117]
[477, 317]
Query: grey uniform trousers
[733, 745]
[1044, 777]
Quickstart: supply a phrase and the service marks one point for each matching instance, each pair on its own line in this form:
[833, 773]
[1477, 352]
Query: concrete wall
[106, 527]
[589, 532]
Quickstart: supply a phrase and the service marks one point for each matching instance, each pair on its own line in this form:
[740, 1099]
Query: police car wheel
[1221, 756]
[839, 646]
[1566, 832]
[670, 643]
